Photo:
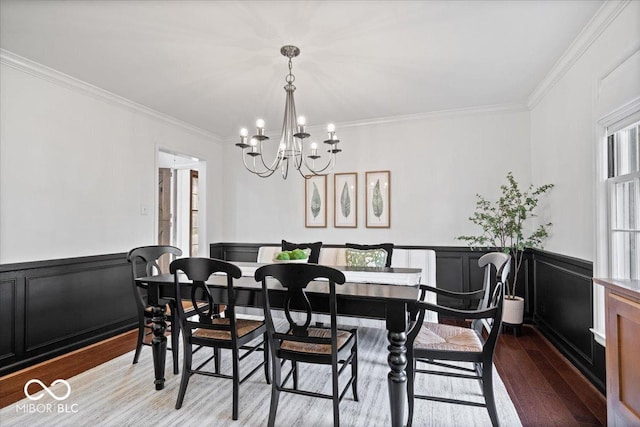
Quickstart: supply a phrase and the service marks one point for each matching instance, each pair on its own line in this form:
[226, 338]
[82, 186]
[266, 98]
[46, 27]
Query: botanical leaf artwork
[376, 201]
[345, 201]
[316, 202]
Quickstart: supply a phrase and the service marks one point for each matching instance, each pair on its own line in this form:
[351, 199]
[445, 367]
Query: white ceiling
[217, 66]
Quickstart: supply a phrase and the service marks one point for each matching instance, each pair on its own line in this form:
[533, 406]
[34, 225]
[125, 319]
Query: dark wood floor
[545, 388]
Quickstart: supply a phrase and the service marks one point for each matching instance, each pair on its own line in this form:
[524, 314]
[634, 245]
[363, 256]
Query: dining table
[377, 293]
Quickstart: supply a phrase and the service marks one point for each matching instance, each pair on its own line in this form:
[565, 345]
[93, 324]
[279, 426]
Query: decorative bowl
[291, 261]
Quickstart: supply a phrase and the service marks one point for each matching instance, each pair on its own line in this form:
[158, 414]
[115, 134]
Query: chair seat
[436, 336]
[243, 326]
[312, 348]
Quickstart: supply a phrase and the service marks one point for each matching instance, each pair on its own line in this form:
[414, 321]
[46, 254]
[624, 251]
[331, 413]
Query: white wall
[437, 166]
[567, 130]
[564, 133]
[76, 168]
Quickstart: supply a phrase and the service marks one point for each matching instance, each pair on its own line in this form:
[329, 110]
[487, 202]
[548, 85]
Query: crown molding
[49, 74]
[590, 33]
[432, 115]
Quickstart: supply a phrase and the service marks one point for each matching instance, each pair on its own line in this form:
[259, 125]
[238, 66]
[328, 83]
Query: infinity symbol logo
[47, 389]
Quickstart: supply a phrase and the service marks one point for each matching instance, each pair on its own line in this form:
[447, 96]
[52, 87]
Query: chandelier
[293, 145]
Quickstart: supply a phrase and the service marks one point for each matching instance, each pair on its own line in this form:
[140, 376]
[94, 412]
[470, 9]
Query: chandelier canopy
[293, 145]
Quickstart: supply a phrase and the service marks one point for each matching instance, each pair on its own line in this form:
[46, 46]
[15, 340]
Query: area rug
[118, 393]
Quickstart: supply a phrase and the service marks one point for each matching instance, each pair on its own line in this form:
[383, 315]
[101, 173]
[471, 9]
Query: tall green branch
[502, 223]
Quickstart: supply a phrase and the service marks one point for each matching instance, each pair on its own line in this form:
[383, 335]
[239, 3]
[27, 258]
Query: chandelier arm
[262, 174]
[303, 175]
[276, 161]
[330, 164]
[299, 143]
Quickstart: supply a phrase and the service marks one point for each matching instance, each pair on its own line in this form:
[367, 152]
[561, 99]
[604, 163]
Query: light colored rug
[118, 393]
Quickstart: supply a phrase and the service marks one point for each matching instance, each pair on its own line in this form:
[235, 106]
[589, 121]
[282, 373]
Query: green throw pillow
[366, 258]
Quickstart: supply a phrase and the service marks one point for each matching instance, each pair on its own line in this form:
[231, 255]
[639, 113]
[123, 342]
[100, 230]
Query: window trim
[604, 127]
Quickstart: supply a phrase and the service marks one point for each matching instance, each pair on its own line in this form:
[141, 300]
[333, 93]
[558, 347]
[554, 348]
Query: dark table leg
[159, 345]
[159, 341]
[397, 359]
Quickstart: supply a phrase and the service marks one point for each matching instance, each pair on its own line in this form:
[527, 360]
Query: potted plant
[503, 226]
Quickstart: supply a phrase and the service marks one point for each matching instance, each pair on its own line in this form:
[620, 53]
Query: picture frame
[345, 200]
[315, 201]
[378, 199]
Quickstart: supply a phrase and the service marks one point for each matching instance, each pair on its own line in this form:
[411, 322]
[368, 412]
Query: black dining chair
[209, 328]
[437, 344]
[301, 343]
[495, 264]
[145, 261]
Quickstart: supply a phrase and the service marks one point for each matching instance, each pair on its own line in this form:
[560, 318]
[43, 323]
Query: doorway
[179, 202]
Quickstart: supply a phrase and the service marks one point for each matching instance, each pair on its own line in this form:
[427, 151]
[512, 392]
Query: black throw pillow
[386, 246]
[315, 249]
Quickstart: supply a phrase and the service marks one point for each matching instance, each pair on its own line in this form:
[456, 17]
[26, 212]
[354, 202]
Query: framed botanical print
[315, 201]
[378, 199]
[345, 200]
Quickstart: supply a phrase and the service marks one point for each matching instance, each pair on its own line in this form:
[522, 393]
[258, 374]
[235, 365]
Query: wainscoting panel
[48, 308]
[564, 311]
[87, 296]
[450, 275]
[7, 319]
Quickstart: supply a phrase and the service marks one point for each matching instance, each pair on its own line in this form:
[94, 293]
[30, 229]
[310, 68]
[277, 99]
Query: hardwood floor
[545, 388]
[65, 366]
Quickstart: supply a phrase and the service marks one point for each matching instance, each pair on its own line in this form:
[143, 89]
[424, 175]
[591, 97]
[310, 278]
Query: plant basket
[513, 311]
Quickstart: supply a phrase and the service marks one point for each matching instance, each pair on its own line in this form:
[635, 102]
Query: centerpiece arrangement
[296, 255]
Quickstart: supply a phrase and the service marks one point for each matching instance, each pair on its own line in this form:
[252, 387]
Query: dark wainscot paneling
[48, 308]
[564, 311]
[557, 290]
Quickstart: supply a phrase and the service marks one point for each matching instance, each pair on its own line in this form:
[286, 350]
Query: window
[623, 147]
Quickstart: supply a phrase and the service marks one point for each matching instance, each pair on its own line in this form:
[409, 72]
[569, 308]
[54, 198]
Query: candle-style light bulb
[260, 127]
[331, 127]
[254, 145]
[301, 123]
[243, 138]
[314, 149]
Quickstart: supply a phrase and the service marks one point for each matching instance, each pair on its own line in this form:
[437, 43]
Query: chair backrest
[499, 261]
[493, 319]
[198, 271]
[144, 262]
[294, 278]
